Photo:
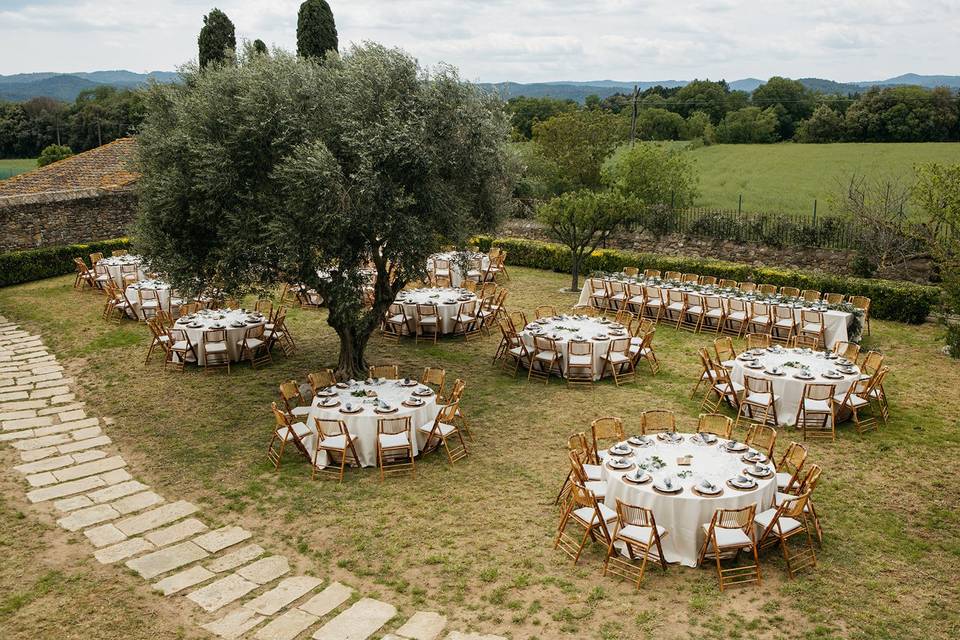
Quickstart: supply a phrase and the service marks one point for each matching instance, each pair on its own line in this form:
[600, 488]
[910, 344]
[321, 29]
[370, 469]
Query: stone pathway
[243, 591]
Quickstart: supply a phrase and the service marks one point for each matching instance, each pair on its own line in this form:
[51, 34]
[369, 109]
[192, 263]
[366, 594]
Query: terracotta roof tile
[106, 167]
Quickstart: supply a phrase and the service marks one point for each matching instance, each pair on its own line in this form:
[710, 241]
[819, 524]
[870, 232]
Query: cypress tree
[316, 30]
[216, 37]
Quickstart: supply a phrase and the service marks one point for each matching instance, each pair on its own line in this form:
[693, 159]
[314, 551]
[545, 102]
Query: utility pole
[633, 119]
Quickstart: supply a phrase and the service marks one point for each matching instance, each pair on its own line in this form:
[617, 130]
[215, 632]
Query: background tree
[652, 174]
[791, 100]
[217, 38]
[578, 142]
[53, 153]
[659, 124]
[524, 112]
[698, 127]
[582, 220]
[260, 47]
[824, 125]
[702, 95]
[750, 125]
[937, 191]
[316, 30]
[300, 175]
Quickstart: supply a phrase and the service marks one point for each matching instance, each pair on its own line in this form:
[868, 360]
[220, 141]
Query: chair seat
[444, 428]
[466, 319]
[816, 406]
[397, 319]
[300, 411]
[780, 497]
[636, 300]
[715, 313]
[299, 428]
[636, 533]
[442, 273]
[726, 364]
[180, 346]
[729, 537]
[696, 311]
[708, 375]
[334, 443]
[589, 516]
[760, 320]
[812, 327]
[676, 306]
[215, 347]
[594, 471]
[762, 399]
[784, 524]
[149, 304]
[783, 479]
[737, 315]
[518, 352]
[598, 487]
[787, 322]
[164, 338]
[428, 320]
[273, 335]
[252, 343]
[617, 358]
[577, 360]
[852, 401]
[394, 440]
[546, 355]
[722, 388]
[654, 302]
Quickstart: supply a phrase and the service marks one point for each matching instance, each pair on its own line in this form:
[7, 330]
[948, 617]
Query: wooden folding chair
[638, 531]
[393, 444]
[729, 532]
[335, 440]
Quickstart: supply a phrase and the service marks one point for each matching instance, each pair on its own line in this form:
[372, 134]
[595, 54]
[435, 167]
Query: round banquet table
[684, 514]
[235, 321]
[446, 300]
[455, 259]
[563, 328]
[363, 424]
[114, 263]
[787, 385]
[163, 295]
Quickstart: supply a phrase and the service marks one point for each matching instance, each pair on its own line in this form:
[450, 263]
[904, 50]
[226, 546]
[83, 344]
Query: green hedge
[890, 300]
[37, 264]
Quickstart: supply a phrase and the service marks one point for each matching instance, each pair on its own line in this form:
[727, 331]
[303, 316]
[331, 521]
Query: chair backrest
[658, 421]
[811, 479]
[848, 350]
[833, 298]
[389, 371]
[819, 391]
[518, 319]
[757, 385]
[606, 429]
[95, 258]
[782, 312]
[748, 287]
[290, 394]
[436, 377]
[545, 311]
[793, 458]
[630, 272]
[254, 332]
[759, 309]
[872, 362]
[736, 304]
[579, 348]
[708, 280]
[583, 497]
[672, 275]
[321, 379]
[619, 345]
[715, 423]
[456, 391]
[636, 515]
[264, 306]
[767, 289]
[212, 336]
[811, 295]
[651, 273]
[734, 519]
[724, 349]
[330, 428]
[758, 340]
[861, 302]
[393, 426]
[706, 362]
[691, 277]
[803, 342]
[726, 283]
[811, 317]
[790, 292]
[762, 438]
[543, 343]
[623, 317]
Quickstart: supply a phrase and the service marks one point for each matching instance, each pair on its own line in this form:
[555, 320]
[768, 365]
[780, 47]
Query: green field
[788, 177]
[10, 168]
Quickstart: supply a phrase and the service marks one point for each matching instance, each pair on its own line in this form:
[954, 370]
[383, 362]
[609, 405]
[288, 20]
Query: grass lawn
[10, 168]
[762, 172]
[475, 541]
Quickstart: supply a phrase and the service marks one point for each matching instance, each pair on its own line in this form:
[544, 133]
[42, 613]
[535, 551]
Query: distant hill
[66, 86]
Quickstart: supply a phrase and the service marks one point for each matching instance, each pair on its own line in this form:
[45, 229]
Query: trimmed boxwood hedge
[36, 264]
[890, 300]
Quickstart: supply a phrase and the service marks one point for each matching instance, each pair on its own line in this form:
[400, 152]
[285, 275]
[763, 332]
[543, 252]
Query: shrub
[54, 153]
[37, 264]
[890, 300]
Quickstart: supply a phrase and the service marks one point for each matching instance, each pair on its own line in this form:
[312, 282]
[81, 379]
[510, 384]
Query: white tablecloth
[565, 328]
[221, 319]
[113, 265]
[835, 322]
[363, 425]
[789, 388]
[683, 514]
[456, 273]
[163, 294]
[447, 301]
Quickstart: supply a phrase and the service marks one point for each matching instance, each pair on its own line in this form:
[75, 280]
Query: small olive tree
[285, 168]
[582, 220]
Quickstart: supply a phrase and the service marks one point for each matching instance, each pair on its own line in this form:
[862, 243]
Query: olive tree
[288, 169]
[582, 220]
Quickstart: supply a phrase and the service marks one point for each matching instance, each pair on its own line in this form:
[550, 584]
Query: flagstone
[49, 392]
[82, 445]
[72, 504]
[27, 423]
[219, 594]
[423, 625]
[104, 535]
[90, 516]
[288, 626]
[265, 570]
[286, 592]
[236, 558]
[153, 564]
[122, 550]
[176, 532]
[183, 580]
[156, 518]
[89, 468]
[222, 538]
[137, 502]
[117, 491]
[358, 622]
[65, 489]
[327, 600]
[47, 410]
[234, 624]
[72, 414]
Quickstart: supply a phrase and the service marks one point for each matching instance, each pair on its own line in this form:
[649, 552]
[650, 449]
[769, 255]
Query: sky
[523, 40]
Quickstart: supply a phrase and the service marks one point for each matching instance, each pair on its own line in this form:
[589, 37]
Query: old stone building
[87, 197]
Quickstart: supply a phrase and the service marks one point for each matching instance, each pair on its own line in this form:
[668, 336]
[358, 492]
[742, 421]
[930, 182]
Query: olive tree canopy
[287, 169]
